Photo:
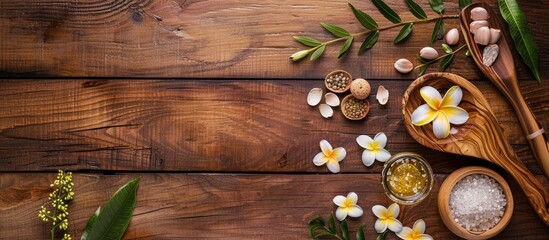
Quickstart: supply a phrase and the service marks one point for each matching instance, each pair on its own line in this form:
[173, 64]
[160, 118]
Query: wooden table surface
[200, 100]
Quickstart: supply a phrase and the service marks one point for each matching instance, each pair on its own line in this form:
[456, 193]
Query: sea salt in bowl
[478, 178]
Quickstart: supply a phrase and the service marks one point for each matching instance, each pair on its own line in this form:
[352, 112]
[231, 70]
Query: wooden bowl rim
[444, 199]
[344, 73]
[346, 99]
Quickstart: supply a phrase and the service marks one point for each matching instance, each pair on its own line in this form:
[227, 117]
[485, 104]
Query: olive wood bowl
[345, 74]
[344, 103]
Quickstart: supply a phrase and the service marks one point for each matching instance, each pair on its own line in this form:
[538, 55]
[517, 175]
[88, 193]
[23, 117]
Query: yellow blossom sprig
[387, 218]
[415, 233]
[329, 156]
[60, 198]
[347, 206]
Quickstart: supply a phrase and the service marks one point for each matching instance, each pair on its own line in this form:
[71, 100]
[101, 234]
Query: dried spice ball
[355, 109]
[338, 81]
[360, 88]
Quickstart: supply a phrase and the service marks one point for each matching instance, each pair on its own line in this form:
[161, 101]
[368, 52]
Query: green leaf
[331, 224]
[317, 220]
[369, 42]
[344, 230]
[416, 9]
[404, 33]
[521, 34]
[345, 47]
[116, 214]
[422, 70]
[299, 55]
[438, 25]
[307, 41]
[381, 236]
[312, 230]
[464, 3]
[468, 53]
[387, 11]
[335, 30]
[90, 224]
[446, 62]
[360, 233]
[447, 49]
[318, 53]
[324, 235]
[437, 5]
[364, 19]
[420, 59]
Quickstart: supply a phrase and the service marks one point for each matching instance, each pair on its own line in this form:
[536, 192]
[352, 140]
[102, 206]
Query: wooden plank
[228, 39]
[224, 206]
[239, 126]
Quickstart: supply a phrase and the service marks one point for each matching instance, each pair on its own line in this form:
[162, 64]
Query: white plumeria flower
[374, 148]
[387, 218]
[330, 157]
[440, 110]
[415, 233]
[347, 206]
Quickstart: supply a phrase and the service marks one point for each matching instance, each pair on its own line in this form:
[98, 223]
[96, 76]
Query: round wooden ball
[360, 88]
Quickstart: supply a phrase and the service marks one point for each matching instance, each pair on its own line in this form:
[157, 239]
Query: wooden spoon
[479, 137]
[502, 73]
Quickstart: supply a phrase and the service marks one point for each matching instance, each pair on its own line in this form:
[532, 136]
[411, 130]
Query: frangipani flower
[416, 233]
[440, 110]
[347, 206]
[374, 148]
[330, 157]
[387, 218]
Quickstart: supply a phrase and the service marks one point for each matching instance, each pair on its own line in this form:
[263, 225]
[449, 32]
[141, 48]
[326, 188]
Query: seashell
[482, 36]
[404, 65]
[479, 13]
[325, 110]
[490, 54]
[452, 36]
[360, 88]
[494, 35]
[332, 99]
[428, 53]
[382, 95]
[314, 97]
[475, 25]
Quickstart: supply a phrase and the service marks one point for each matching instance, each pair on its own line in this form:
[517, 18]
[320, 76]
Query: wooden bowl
[444, 203]
[345, 74]
[345, 102]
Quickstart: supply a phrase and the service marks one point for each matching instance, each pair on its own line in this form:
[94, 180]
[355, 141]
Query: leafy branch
[373, 30]
[318, 229]
[446, 59]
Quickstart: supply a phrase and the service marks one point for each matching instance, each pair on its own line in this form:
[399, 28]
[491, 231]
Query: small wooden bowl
[336, 72]
[444, 203]
[345, 102]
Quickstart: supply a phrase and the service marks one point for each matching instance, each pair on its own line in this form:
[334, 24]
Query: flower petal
[431, 96]
[339, 154]
[382, 155]
[355, 211]
[425, 237]
[419, 226]
[326, 147]
[380, 139]
[452, 97]
[423, 114]
[394, 225]
[341, 213]
[455, 115]
[368, 157]
[365, 141]
[339, 200]
[333, 165]
[404, 233]
[320, 159]
[379, 211]
[394, 210]
[380, 226]
[441, 126]
[353, 197]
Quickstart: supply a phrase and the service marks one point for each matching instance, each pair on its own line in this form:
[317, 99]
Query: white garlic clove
[332, 99]
[382, 95]
[482, 36]
[453, 130]
[314, 97]
[479, 13]
[475, 25]
[326, 111]
[404, 65]
[452, 36]
[490, 54]
[428, 53]
[494, 35]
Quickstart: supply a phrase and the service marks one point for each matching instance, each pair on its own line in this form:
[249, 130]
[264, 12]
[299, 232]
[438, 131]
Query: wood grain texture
[257, 126]
[221, 206]
[228, 39]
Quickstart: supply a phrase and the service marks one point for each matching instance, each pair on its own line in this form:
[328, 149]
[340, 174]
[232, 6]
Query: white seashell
[482, 36]
[332, 99]
[452, 36]
[404, 65]
[428, 53]
[325, 110]
[382, 95]
[490, 54]
[475, 25]
[314, 97]
[479, 13]
[494, 35]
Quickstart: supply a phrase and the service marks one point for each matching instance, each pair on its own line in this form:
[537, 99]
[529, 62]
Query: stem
[441, 57]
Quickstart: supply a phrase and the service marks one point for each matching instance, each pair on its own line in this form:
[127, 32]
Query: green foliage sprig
[318, 229]
[60, 197]
[446, 59]
[373, 29]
